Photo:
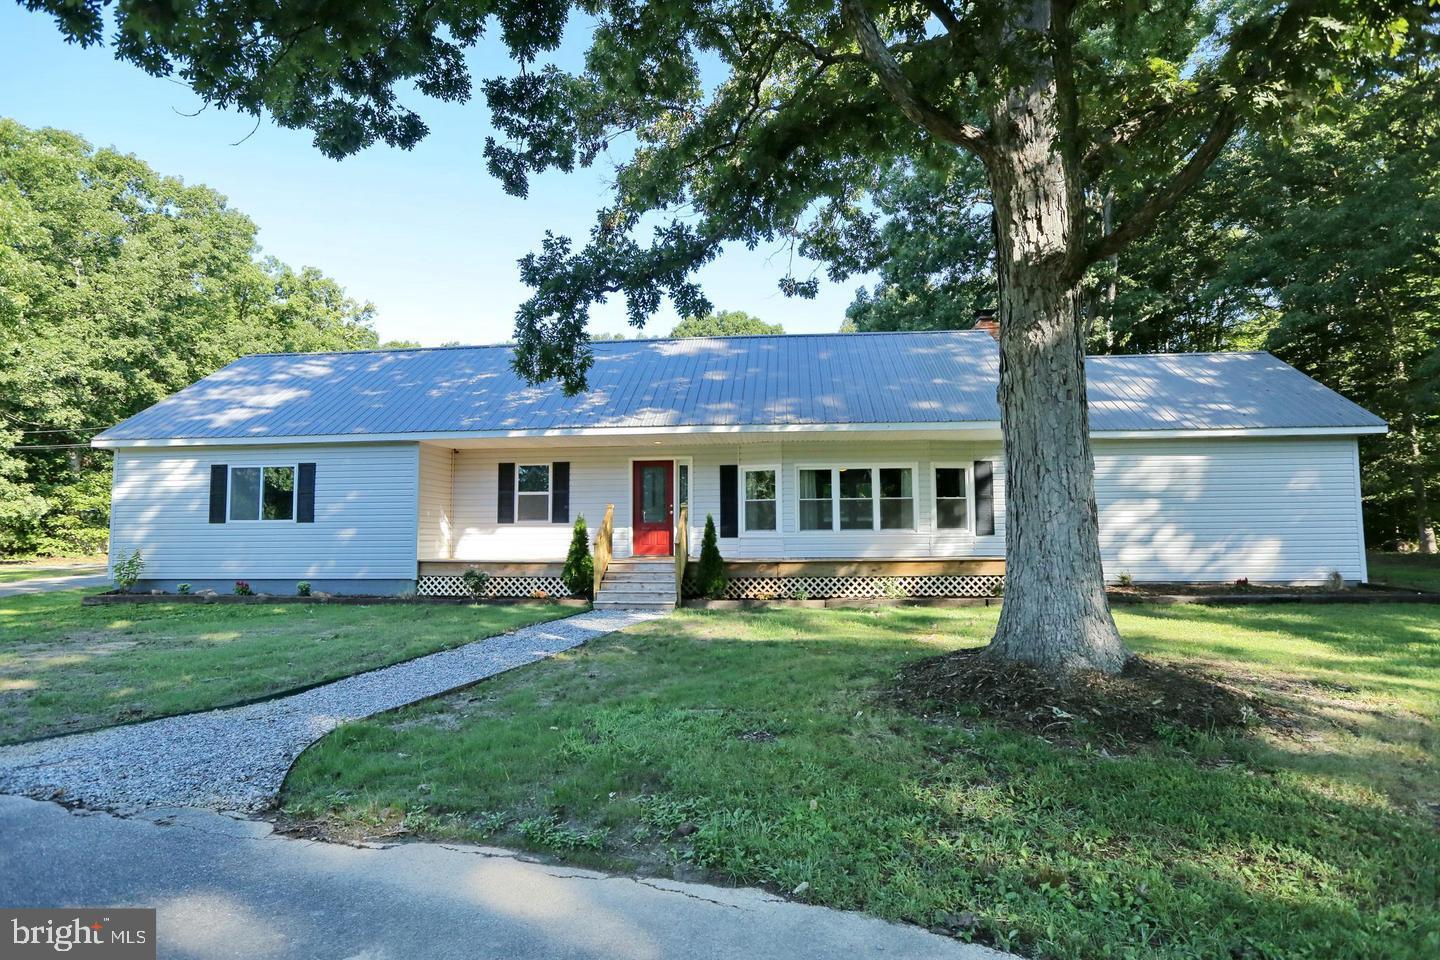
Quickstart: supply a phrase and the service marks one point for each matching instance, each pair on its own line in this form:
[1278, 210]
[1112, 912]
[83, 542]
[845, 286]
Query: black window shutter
[560, 492]
[729, 500]
[305, 494]
[219, 476]
[505, 495]
[984, 498]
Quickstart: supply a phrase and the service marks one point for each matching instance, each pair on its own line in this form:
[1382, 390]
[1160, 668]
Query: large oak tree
[736, 121]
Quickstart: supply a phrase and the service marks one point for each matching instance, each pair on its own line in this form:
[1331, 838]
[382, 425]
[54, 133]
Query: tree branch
[1068, 110]
[1144, 218]
[945, 15]
[887, 70]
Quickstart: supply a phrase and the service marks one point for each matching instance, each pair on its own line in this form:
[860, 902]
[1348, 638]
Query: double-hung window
[262, 493]
[817, 500]
[952, 510]
[857, 498]
[761, 487]
[532, 492]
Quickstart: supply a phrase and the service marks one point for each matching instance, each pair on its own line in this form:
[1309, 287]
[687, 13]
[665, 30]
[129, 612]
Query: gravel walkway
[236, 759]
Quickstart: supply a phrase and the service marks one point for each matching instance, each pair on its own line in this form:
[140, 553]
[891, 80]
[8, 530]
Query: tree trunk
[1055, 614]
[1424, 528]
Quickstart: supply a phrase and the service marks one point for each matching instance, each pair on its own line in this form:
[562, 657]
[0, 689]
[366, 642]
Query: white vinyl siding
[1276, 509]
[365, 514]
[435, 530]
[1279, 509]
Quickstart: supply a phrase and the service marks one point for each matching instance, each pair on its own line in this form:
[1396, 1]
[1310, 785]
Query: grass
[65, 668]
[1414, 570]
[758, 748]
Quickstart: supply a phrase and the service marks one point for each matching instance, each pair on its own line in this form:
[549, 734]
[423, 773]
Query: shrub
[710, 571]
[892, 589]
[1125, 579]
[579, 572]
[127, 572]
[183, 589]
[1335, 581]
[242, 589]
[302, 589]
[475, 581]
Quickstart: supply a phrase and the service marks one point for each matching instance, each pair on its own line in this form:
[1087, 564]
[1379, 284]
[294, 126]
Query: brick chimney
[988, 321]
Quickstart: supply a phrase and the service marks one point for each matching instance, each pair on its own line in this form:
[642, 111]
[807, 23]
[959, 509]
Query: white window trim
[969, 476]
[779, 499]
[260, 502]
[549, 494]
[875, 498]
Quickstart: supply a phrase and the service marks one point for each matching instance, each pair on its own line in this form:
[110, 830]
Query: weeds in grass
[548, 833]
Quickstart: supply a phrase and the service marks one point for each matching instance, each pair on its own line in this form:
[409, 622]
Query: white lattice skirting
[497, 587]
[861, 588]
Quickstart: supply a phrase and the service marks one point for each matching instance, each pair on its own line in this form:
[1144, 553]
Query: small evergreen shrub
[302, 589]
[127, 572]
[475, 581]
[183, 589]
[579, 572]
[710, 571]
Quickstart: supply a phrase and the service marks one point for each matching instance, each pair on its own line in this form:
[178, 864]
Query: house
[834, 465]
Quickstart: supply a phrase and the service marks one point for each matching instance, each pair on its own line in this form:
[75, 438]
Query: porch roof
[784, 382]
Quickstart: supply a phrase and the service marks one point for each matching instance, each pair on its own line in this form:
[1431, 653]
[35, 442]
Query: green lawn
[758, 748]
[64, 667]
[1405, 570]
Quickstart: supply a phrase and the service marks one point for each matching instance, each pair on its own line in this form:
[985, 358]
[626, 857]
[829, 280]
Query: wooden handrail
[603, 547]
[682, 550]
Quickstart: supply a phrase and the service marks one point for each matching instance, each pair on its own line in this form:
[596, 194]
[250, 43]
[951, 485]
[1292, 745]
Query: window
[262, 493]
[857, 511]
[951, 512]
[532, 492]
[816, 500]
[761, 497]
[857, 498]
[897, 498]
[682, 498]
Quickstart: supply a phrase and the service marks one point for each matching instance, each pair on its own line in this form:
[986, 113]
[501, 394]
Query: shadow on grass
[763, 734]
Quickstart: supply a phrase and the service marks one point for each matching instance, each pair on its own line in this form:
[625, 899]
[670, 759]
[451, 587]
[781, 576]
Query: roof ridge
[637, 340]
[1182, 353]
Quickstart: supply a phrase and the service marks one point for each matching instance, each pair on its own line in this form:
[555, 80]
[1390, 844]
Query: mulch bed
[362, 600]
[1139, 704]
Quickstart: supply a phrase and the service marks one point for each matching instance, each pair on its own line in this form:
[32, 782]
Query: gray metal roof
[851, 379]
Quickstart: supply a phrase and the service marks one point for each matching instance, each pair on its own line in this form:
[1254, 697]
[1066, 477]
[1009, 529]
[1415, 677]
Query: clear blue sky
[426, 235]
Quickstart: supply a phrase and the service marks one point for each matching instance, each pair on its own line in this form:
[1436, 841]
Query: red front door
[653, 486]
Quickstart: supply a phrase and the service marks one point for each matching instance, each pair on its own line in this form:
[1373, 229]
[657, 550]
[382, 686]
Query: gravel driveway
[236, 759]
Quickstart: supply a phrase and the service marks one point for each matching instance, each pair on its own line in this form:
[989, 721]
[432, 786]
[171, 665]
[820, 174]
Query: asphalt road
[226, 887]
[58, 581]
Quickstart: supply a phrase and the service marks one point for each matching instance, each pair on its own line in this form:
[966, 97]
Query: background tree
[724, 323]
[119, 286]
[1317, 242]
[747, 116]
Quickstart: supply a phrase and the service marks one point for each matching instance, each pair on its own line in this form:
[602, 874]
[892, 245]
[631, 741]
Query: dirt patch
[1141, 703]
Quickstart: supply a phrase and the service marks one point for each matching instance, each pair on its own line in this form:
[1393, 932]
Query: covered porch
[507, 508]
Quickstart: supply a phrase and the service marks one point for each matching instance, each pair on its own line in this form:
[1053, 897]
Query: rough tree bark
[1055, 613]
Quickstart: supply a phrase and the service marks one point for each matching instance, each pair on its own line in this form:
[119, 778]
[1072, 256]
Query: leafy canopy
[754, 122]
[724, 323]
[118, 287]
